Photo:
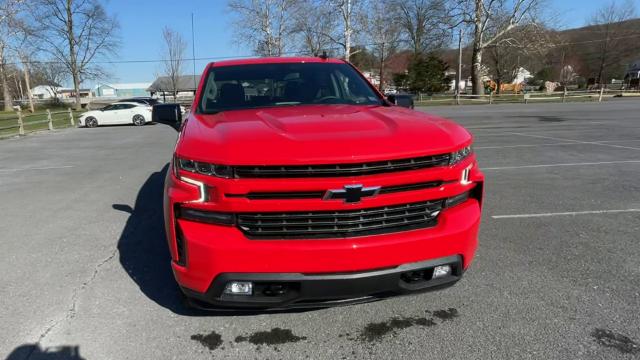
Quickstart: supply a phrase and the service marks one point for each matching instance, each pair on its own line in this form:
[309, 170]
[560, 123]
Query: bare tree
[76, 32]
[51, 74]
[610, 34]
[311, 31]
[424, 23]
[25, 45]
[8, 13]
[173, 57]
[348, 15]
[383, 33]
[491, 20]
[520, 46]
[266, 24]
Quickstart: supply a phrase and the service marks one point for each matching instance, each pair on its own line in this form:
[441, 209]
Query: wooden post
[20, 123]
[50, 119]
[71, 117]
[490, 97]
[601, 94]
[564, 94]
[458, 98]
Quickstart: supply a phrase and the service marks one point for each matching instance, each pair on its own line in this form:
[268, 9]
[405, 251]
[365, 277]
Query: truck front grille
[339, 170]
[340, 224]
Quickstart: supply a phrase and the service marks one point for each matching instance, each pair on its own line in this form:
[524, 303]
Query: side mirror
[392, 99]
[168, 114]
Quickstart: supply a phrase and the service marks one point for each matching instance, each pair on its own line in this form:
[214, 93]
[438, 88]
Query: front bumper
[276, 291]
[206, 256]
[216, 254]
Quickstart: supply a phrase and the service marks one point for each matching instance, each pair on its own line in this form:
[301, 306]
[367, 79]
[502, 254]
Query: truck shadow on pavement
[35, 352]
[143, 250]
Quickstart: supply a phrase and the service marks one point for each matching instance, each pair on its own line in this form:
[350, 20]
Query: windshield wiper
[284, 103]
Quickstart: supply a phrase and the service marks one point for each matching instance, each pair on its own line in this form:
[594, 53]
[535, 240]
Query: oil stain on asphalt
[372, 332]
[275, 336]
[614, 340]
[445, 315]
[211, 341]
[376, 331]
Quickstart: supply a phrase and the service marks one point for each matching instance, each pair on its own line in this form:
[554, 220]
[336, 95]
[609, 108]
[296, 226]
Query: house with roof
[49, 92]
[122, 90]
[186, 85]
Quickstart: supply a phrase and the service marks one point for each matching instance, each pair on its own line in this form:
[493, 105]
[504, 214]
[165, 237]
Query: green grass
[35, 122]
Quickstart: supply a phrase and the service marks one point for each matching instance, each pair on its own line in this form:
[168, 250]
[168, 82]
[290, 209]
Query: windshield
[284, 84]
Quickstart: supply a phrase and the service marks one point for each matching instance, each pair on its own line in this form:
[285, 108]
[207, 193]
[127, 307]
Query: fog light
[457, 200]
[239, 288]
[441, 271]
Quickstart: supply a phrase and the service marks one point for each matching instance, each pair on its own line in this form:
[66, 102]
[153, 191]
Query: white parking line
[557, 165]
[547, 144]
[37, 168]
[612, 141]
[570, 213]
[576, 141]
[522, 145]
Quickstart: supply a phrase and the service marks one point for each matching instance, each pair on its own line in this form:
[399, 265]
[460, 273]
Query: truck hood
[317, 134]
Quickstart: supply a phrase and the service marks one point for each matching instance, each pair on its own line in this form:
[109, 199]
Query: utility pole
[459, 77]
[193, 55]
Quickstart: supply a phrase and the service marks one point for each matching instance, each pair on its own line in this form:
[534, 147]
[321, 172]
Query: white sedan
[117, 114]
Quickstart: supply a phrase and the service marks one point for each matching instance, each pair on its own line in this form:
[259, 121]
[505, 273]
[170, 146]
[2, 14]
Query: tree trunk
[76, 87]
[478, 47]
[347, 31]
[476, 71]
[381, 86]
[19, 83]
[75, 72]
[27, 82]
[600, 77]
[6, 94]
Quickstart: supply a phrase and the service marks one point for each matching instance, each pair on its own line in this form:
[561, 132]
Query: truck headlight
[460, 155]
[203, 168]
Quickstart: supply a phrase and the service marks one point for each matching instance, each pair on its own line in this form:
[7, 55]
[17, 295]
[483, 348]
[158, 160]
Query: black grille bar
[279, 195]
[340, 224]
[320, 194]
[338, 170]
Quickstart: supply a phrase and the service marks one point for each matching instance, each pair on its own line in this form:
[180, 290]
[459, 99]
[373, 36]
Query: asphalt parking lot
[85, 270]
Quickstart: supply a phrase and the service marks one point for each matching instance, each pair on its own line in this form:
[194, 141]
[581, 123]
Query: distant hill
[585, 48]
[580, 48]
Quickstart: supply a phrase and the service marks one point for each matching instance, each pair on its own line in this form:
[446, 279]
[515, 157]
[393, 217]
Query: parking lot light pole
[193, 54]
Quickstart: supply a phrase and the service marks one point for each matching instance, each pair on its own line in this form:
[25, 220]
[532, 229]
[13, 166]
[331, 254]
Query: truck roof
[275, 60]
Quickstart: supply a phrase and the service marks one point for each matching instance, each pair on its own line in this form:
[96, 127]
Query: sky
[142, 21]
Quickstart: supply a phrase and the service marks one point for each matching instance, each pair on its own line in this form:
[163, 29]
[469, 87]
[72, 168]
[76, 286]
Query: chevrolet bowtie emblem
[352, 193]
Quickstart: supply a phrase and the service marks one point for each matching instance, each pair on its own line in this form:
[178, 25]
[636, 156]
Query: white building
[122, 90]
[45, 92]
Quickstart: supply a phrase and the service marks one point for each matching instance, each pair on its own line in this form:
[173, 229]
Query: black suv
[143, 100]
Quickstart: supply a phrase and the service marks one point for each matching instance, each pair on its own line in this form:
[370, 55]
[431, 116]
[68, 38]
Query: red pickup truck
[295, 183]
